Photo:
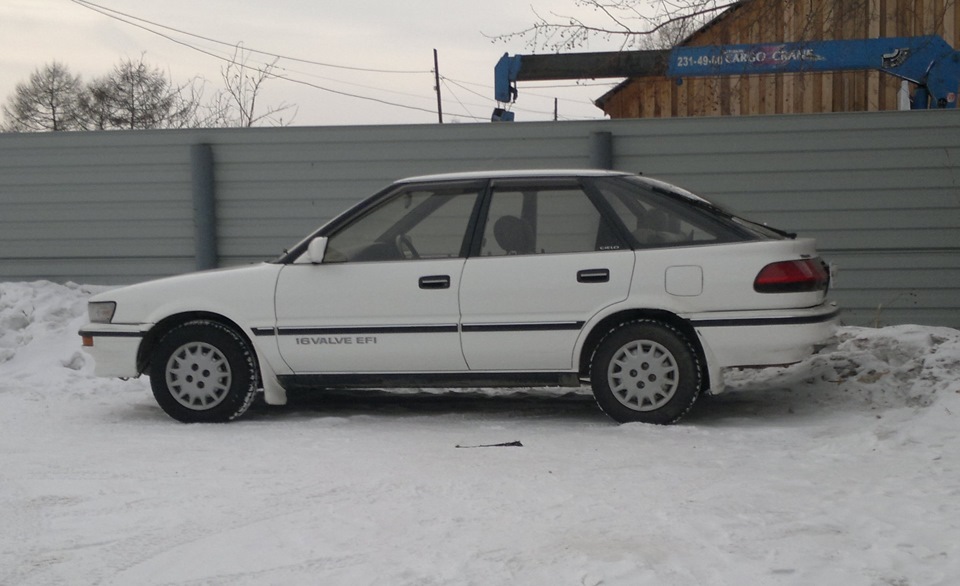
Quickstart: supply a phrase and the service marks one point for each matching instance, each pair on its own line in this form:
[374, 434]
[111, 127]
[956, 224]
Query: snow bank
[905, 367]
[841, 470]
[38, 326]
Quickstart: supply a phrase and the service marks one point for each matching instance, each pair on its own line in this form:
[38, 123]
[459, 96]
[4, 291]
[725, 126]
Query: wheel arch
[168, 323]
[606, 325]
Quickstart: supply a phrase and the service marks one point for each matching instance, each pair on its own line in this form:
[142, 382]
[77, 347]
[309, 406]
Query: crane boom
[928, 61]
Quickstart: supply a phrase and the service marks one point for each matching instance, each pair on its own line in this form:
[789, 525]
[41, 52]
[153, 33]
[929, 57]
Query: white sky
[378, 34]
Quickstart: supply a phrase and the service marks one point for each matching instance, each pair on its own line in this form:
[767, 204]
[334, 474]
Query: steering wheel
[405, 245]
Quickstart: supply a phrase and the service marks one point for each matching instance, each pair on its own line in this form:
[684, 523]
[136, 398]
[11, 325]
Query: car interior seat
[514, 235]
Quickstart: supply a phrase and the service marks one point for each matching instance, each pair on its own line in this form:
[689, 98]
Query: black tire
[645, 371]
[203, 372]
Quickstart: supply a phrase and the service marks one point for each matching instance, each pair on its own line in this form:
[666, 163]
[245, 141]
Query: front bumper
[114, 348]
[765, 338]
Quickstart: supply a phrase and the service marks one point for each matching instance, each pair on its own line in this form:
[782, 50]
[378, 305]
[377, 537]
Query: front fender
[242, 297]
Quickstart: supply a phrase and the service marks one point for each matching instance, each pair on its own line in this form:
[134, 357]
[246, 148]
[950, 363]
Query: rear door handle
[435, 282]
[593, 276]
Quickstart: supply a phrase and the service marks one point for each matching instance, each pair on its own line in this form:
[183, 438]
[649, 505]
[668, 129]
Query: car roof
[549, 173]
[513, 174]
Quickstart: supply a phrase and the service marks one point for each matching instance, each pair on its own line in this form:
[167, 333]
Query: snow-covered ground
[841, 470]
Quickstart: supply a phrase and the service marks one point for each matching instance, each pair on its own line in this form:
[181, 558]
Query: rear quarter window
[656, 217]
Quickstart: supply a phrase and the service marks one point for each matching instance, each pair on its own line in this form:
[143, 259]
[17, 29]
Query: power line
[537, 84]
[457, 98]
[111, 12]
[567, 85]
[447, 80]
[462, 83]
[107, 13]
[142, 23]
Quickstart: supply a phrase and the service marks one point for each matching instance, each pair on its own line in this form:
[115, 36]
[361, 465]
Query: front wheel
[203, 371]
[645, 371]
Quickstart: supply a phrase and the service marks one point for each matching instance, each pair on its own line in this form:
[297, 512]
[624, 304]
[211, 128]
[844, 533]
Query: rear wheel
[645, 371]
[203, 371]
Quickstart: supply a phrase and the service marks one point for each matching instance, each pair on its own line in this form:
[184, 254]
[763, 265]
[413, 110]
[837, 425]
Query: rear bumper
[113, 348]
[765, 338]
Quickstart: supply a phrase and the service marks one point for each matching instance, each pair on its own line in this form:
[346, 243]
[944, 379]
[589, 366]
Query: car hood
[240, 294]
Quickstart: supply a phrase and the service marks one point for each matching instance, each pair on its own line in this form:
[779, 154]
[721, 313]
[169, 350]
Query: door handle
[593, 276]
[435, 282]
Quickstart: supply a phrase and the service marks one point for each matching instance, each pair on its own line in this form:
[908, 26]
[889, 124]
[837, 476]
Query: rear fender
[607, 322]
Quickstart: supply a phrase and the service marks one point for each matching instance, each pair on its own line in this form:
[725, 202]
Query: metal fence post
[601, 150]
[204, 206]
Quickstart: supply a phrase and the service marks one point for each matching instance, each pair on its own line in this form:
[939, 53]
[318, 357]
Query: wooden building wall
[763, 21]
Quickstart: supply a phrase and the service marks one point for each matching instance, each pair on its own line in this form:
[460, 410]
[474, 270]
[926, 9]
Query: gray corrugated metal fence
[879, 191]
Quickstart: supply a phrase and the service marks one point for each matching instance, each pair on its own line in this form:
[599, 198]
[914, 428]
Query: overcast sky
[371, 34]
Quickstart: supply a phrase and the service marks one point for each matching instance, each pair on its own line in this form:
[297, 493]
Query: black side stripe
[521, 327]
[106, 334]
[765, 321]
[358, 330]
[524, 327]
[443, 328]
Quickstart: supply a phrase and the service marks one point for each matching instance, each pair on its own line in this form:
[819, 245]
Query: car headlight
[101, 312]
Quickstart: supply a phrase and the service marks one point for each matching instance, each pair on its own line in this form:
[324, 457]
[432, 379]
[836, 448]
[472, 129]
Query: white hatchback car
[531, 278]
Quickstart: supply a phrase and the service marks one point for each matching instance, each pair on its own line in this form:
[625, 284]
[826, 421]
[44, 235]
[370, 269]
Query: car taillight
[792, 276]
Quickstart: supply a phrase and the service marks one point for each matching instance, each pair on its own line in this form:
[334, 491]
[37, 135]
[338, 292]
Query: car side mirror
[316, 249]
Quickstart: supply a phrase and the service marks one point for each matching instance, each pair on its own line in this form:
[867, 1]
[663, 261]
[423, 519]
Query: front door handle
[435, 282]
[593, 276]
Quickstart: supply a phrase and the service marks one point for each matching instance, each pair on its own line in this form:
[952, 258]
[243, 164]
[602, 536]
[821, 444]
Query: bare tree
[96, 105]
[139, 96]
[48, 102]
[136, 95]
[659, 24]
[243, 81]
[633, 24]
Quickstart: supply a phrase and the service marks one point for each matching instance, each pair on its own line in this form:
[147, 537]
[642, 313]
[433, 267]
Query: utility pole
[436, 80]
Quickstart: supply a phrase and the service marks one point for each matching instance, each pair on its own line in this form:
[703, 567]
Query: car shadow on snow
[753, 405]
[379, 403]
[734, 408]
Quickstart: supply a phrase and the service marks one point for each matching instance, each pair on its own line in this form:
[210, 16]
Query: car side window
[411, 224]
[655, 220]
[542, 220]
